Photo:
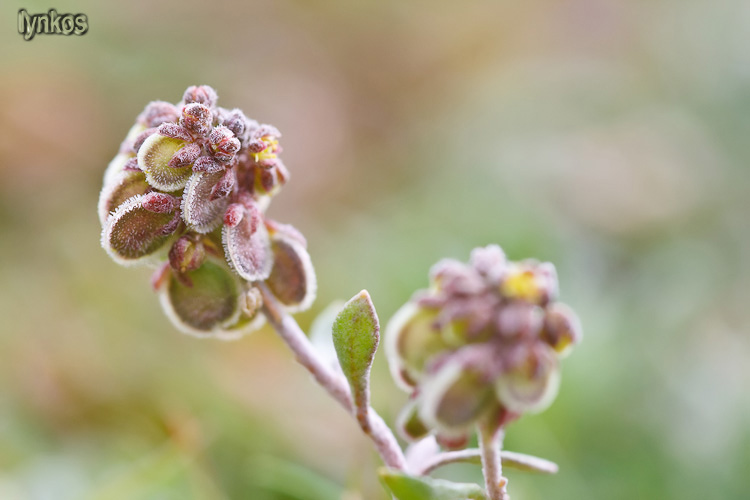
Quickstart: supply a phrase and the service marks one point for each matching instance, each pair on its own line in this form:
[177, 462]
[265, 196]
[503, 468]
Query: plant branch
[333, 382]
[490, 443]
[519, 461]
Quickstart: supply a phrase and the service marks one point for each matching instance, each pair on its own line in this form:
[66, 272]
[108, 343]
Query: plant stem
[490, 443]
[333, 382]
[518, 461]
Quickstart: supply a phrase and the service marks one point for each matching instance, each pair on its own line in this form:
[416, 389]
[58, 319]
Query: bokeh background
[609, 137]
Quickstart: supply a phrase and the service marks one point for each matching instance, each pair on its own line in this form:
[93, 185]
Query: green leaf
[411, 339]
[356, 334]
[132, 234]
[292, 279]
[120, 188]
[208, 304]
[153, 158]
[248, 249]
[199, 212]
[405, 487]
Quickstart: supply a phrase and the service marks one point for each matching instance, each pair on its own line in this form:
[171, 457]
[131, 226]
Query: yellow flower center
[521, 284]
[271, 150]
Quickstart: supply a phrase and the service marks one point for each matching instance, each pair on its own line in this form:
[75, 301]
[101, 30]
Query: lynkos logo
[51, 23]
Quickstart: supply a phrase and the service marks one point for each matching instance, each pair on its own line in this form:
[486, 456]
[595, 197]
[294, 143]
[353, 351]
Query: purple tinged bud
[490, 262]
[158, 112]
[234, 214]
[256, 146]
[208, 165]
[223, 144]
[196, 118]
[287, 230]
[160, 203]
[519, 319]
[132, 165]
[562, 328]
[185, 156]
[224, 187]
[267, 180]
[186, 254]
[452, 442]
[266, 130]
[174, 131]
[172, 225]
[201, 94]
[240, 125]
[141, 138]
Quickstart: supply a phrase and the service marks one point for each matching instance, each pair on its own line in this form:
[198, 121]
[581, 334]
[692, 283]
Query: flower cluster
[188, 191]
[484, 339]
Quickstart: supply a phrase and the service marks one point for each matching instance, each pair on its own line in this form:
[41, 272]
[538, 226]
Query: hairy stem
[335, 383]
[490, 443]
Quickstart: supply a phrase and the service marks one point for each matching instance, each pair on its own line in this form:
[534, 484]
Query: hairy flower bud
[208, 165]
[233, 215]
[224, 186]
[224, 145]
[158, 112]
[196, 118]
[174, 131]
[201, 94]
[240, 125]
[562, 328]
[160, 203]
[141, 138]
[185, 156]
[186, 254]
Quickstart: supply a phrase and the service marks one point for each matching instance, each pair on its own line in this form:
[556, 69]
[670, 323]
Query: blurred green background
[609, 137]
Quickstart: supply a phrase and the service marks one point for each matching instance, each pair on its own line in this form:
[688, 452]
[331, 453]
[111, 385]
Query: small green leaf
[532, 385]
[411, 339]
[153, 158]
[405, 487]
[455, 396]
[292, 279]
[356, 334]
[121, 187]
[116, 166]
[248, 248]
[199, 212]
[206, 305]
[132, 234]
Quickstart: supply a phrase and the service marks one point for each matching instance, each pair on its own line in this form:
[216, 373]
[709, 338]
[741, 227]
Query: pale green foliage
[405, 487]
[356, 334]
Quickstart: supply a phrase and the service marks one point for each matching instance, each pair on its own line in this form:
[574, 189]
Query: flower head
[188, 192]
[486, 336]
